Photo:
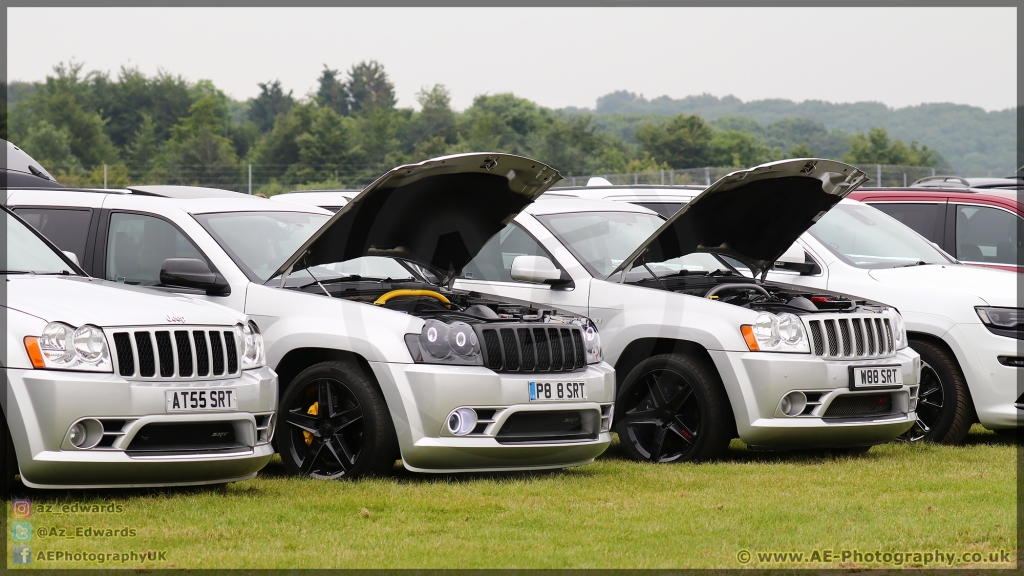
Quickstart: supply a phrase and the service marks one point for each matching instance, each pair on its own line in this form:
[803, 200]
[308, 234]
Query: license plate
[875, 377]
[201, 400]
[557, 391]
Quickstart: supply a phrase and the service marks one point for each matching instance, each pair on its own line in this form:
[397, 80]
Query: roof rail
[928, 179]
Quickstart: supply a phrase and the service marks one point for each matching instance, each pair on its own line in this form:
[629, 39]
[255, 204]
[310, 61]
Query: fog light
[462, 421]
[793, 404]
[85, 434]
[77, 434]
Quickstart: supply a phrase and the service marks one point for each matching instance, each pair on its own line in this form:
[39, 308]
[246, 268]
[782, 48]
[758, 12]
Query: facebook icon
[21, 555]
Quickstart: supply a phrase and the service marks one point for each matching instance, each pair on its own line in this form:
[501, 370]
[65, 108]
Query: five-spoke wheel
[333, 423]
[672, 410]
[943, 400]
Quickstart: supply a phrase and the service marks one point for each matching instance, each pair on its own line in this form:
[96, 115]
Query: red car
[982, 227]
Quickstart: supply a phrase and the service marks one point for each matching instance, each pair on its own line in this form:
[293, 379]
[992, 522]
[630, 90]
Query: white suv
[965, 321]
[702, 354]
[182, 397]
[378, 359]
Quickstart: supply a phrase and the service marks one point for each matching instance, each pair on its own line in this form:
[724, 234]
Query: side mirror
[537, 269]
[72, 256]
[191, 273]
[796, 260]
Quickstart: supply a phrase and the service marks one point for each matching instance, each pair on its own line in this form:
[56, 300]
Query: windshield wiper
[918, 263]
[34, 273]
[352, 278]
[16, 272]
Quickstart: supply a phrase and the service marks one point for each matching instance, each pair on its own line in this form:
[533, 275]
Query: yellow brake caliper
[314, 410]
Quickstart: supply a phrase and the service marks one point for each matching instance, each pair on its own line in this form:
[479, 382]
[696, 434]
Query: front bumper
[41, 406]
[756, 382]
[996, 388]
[421, 396]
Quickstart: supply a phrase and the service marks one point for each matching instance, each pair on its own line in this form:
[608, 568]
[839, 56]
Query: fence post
[104, 175]
[250, 179]
[933, 171]
[671, 177]
[904, 179]
[707, 176]
[573, 180]
[662, 176]
[878, 171]
[636, 179]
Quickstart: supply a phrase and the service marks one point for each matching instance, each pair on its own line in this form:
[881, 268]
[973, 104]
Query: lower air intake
[547, 426]
[184, 437]
[859, 405]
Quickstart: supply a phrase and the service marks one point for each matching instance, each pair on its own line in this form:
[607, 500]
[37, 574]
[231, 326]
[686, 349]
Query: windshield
[868, 238]
[602, 240]
[259, 242]
[26, 252]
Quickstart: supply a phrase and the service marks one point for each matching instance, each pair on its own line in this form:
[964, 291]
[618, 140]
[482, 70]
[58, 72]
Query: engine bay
[747, 292]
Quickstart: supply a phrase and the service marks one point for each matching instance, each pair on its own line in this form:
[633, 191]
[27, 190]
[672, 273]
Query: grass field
[612, 513]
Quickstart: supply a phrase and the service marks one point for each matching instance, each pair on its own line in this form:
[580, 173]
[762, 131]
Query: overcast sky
[556, 57]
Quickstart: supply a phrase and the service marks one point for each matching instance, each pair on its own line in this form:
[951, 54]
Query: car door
[490, 272]
[985, 235]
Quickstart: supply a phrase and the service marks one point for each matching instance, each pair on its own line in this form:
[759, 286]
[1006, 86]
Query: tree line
[164, 128]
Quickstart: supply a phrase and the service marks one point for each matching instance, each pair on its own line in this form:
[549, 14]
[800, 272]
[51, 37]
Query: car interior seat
[970, 253]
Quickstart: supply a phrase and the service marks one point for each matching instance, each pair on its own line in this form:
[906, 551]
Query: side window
[988, 235]
[67, 228]
[137, 246]
[494, 262]
[923, 218]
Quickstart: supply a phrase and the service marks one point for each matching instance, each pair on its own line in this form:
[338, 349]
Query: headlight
[64, 347]
[440, 343]
[591, 342]
[899, 331]
[253, 354]
[1002, 321]
[776, 333]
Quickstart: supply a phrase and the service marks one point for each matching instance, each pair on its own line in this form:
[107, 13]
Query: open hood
[752, 215]
[437, 214]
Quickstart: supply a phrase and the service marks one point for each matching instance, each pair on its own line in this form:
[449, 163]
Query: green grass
[613, 513]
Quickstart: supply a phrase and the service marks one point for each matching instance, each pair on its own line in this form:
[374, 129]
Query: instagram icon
[21, 508]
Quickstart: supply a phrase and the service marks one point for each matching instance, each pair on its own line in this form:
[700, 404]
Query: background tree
[368, 87]
[875, 147]
[681, 142]
[272, 100]
[331, 92]
[738, 149]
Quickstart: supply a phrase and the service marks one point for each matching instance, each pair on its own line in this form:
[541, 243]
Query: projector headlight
[440, 343]
[776, 333]
[591, 342]
[63, 347]
[253, 353]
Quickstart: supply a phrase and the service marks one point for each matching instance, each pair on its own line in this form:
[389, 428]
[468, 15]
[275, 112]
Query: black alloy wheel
[944, 408]
[672, 410]
[930, 403]
[333, 423]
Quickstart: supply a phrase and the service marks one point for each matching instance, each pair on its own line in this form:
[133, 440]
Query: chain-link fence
[274, 179]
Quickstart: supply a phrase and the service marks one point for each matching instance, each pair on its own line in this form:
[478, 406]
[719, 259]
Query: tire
[673, 409]
[353, 438]
[944, 405]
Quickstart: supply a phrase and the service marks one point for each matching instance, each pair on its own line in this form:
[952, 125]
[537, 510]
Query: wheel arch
[941, 343]
[297, 360]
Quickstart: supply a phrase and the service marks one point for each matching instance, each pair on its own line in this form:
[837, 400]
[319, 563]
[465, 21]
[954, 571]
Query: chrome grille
[527, 349]
[850, 336]
[185, 354]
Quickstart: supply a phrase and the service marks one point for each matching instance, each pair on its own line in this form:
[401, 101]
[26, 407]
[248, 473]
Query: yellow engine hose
[396, 293]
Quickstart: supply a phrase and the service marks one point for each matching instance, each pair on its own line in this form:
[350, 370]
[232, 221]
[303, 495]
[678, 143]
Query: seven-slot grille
[539, 348]
[176, 354]
[851, 336]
